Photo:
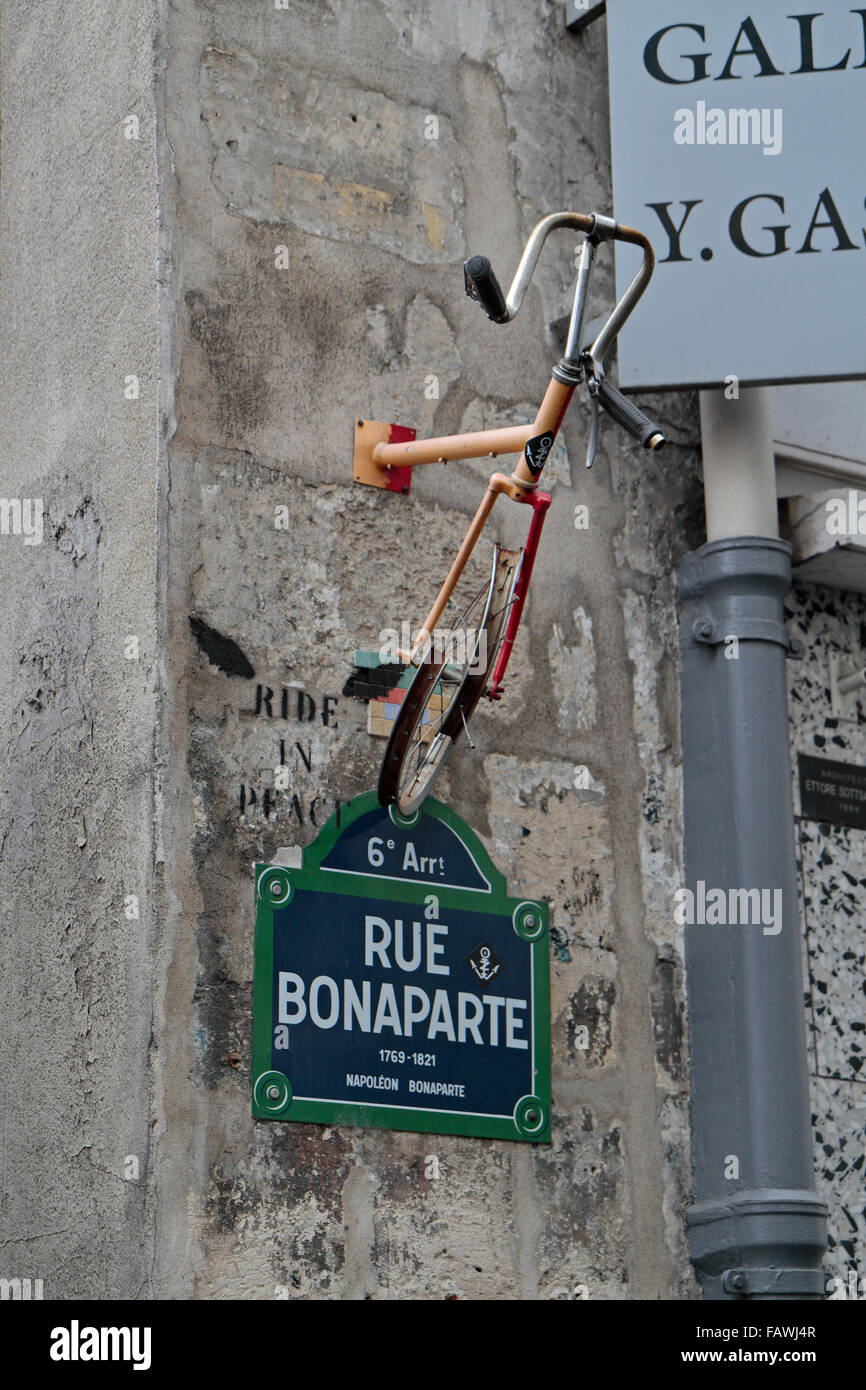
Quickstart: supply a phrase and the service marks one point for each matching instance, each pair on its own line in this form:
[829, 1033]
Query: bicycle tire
[393, 788]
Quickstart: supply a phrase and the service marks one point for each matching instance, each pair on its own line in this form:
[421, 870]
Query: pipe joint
[763, 1243]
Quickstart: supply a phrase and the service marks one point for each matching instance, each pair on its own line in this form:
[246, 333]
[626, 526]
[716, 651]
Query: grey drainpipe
[757, 1229]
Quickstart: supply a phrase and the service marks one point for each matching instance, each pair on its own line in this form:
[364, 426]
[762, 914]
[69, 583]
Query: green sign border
[275, 884]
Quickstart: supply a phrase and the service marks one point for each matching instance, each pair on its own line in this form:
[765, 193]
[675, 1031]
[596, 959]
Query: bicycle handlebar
[603, 345]
[482, 284]
[627, 414]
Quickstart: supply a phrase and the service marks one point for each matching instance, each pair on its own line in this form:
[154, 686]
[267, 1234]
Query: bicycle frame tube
[491, 443]
[498, 483]
[540, 501]
[520, 486]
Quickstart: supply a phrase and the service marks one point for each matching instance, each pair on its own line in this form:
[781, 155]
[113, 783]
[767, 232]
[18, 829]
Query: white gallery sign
[738, 147]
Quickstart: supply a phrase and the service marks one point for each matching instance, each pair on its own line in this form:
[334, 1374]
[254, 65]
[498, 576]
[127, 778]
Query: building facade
[248, 234]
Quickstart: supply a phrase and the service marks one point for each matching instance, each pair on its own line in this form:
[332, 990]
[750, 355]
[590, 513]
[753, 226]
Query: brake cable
[592, 442]
[591, 377]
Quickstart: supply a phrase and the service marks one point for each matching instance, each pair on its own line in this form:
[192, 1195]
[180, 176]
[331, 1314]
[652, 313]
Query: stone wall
[82, 662]
[330, 167]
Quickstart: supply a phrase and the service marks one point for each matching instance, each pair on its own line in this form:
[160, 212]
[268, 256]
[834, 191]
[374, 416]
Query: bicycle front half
[450, 676]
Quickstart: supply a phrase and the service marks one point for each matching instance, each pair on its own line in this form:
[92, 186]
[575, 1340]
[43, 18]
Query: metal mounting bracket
[746, 1283]
[748, 630]
[369, 433]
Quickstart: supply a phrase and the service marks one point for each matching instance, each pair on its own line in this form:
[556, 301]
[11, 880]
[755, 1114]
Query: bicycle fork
[539, 501]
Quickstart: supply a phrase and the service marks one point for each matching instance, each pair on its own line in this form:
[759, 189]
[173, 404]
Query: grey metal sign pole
[756, 1226]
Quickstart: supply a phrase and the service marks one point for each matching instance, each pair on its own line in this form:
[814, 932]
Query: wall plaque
[832, 792]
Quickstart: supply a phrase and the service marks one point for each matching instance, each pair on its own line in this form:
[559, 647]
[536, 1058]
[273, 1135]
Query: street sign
[397, 984]
[734, 136]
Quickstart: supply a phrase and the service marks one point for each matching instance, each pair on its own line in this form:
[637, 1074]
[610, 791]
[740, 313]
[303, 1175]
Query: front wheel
[445, 690]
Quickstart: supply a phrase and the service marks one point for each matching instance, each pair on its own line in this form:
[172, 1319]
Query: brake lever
[626, 414]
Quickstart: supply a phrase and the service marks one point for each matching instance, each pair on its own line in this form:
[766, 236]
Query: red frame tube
[539, 501]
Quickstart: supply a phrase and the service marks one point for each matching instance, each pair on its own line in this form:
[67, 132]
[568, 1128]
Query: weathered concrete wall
[78, 700]
[306, 128]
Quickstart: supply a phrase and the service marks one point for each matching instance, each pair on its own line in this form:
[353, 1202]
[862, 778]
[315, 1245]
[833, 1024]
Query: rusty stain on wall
[293, 146]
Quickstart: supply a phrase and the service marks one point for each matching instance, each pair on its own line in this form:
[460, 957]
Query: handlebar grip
[482, 284]
[629, 416]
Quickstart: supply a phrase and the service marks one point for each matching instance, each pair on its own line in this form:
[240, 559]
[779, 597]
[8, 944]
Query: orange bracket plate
[369, 433]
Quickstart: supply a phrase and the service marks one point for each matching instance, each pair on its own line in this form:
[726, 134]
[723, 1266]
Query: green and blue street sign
[398, 985]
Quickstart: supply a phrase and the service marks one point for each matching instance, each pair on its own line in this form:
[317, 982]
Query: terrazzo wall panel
[832, 862]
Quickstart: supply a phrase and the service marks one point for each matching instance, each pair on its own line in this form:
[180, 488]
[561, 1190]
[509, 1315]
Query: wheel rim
[428, 745]
[419, 747]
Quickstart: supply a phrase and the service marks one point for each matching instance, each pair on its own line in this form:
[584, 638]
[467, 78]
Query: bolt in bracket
[745, 1283]
[748, 630]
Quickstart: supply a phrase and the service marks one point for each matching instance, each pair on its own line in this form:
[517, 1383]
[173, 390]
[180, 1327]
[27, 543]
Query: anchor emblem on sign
[483, 963]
